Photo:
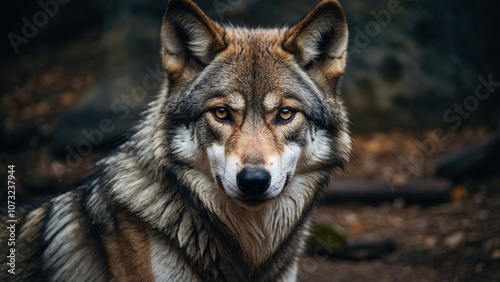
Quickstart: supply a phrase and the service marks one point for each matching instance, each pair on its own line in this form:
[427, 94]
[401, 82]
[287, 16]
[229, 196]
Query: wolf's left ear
[189, 37]
[320, 38]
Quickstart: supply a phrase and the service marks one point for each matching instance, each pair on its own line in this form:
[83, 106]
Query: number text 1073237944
[11, 219]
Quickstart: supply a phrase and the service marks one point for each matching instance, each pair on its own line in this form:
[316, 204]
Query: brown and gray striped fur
[166, 205]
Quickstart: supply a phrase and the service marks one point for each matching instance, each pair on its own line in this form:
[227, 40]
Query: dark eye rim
[280, 120]
[228, 118]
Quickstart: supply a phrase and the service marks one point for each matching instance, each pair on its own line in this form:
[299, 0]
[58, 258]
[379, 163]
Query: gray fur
[155, 210]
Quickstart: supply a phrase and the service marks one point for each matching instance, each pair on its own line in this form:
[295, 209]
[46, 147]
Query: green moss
[325, 239]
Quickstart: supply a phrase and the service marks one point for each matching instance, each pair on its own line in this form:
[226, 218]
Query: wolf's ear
[189, 37]
[320, 38]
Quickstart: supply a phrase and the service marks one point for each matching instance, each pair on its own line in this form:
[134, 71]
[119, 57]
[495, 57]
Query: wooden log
[356, 249]
[415, 191]
[479, 160]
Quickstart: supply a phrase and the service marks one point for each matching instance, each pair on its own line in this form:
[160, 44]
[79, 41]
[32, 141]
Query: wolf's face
[253, 108]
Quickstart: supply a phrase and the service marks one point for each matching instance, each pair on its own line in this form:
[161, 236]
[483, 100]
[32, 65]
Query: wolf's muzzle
[253, 181]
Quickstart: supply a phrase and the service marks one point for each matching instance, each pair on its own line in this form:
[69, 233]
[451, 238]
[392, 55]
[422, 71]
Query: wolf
[217, 180]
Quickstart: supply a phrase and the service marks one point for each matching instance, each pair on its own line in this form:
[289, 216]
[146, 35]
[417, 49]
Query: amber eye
[285, 115]
[221, 113]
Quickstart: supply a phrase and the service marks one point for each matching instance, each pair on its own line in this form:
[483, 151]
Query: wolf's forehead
[253, 63]
[260, 47]
[258, 38]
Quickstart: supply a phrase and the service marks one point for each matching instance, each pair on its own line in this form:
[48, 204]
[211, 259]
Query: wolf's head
[253, 109]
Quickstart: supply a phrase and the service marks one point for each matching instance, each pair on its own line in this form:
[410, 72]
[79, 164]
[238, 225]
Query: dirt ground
[454, 241]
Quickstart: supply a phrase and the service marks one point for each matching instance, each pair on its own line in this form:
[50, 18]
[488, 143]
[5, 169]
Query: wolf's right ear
[189, 37]
[319, 40]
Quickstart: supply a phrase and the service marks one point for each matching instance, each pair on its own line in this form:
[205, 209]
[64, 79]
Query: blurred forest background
[422, 87]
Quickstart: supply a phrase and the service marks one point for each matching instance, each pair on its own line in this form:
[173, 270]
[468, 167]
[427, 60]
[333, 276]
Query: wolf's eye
[285, 115]
[221, 114]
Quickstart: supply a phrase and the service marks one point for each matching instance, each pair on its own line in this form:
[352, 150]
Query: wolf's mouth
[287, 180]
[219, 181]
[253, 201]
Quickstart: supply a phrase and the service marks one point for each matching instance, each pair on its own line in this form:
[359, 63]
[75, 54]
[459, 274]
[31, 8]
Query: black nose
[253, 181]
